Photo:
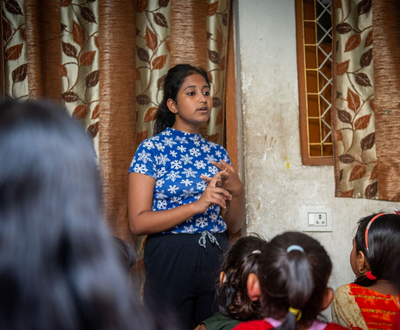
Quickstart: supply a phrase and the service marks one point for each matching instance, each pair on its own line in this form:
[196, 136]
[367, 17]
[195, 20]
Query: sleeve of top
[145, 160]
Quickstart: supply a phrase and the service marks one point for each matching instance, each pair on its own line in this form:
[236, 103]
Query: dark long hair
[238, 263]
[383, 246]
[173, 82]
[58, 268]
[293, 279]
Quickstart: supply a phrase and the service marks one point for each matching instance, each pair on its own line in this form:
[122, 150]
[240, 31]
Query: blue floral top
[176, 160]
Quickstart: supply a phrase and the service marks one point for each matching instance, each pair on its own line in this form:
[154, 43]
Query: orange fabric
[379, 310]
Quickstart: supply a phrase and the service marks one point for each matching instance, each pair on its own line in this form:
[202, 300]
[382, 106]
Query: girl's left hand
[228, 178]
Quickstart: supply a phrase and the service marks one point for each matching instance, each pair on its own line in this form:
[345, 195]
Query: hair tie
[296, 312]
[370, 276]
[294, 247]
[256, 252]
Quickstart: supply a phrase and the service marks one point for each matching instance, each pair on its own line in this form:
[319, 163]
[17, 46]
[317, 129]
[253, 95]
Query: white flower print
[197, 196]
[173, 189]
[215, 229]
[144, 157]
[176, 164]
[186, 182]
[205, 148]
[187, 193]
[160, 146]
[169, 142]
[182, 139]
[201, 222]
[163, 159]
[202, 185]
[195, 152]
[189, 230]
[173, 153]
[195, 138]
[200, 165]
[159, 183]
[186, 159]
[213, 217]
[221, 222]
[213, 169]
[160, 195]
[210, 158]
[190, 219]
[173, 176]
[162, 205]
[182, 149]
[167, 133]
[226, 158]
[189, 172]
[160, 172]
[148, 144]
[140, 168]
[218, 153]
[176, 200]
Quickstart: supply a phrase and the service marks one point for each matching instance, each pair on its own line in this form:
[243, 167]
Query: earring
[361, 271]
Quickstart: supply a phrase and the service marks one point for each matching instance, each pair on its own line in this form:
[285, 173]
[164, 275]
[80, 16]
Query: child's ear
[328, 297]
[222, 277]
[253, 287]
[362, 262]
[171, 104]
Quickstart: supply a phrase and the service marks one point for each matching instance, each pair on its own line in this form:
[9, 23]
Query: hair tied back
[370, 276]
[256, 252]
[296, 312]
[294, 247]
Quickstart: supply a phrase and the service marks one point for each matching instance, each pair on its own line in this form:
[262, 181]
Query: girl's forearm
[236, 214]
[151, 222]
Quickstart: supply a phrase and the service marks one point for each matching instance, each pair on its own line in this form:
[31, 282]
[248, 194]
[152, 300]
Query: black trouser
[181, 276]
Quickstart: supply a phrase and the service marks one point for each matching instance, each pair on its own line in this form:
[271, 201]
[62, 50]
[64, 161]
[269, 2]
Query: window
[314, 62]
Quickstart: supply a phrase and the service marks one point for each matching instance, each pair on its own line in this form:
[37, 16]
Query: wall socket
[316, 218]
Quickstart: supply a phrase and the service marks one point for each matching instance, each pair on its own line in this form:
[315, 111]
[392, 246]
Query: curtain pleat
[189, 32]
[386, 22]
[117, 108]
[43, 42]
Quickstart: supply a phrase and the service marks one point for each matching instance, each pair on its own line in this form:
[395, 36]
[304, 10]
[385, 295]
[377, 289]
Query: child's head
[240, 260]
[173, 82]
[376, 247]
[293, 276]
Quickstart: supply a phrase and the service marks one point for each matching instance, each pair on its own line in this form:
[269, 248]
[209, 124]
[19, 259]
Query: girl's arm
[142, 220]
[236, 210]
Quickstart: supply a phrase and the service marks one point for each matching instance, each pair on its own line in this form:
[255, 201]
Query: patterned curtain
[107, 68]
[365, 112]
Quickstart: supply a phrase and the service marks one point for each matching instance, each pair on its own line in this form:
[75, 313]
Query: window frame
[304, 130]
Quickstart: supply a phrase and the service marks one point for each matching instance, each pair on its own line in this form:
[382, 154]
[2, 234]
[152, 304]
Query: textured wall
[277, 184]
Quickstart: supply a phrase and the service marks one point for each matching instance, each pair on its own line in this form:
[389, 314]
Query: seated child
[234, 303]
[292, 283]
[372, 301]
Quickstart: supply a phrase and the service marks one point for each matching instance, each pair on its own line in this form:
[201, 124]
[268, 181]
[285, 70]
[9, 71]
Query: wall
[277, 184]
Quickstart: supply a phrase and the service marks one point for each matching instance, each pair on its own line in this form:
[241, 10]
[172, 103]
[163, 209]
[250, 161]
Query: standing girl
[292, 281]
[185, 195]
[372, 301]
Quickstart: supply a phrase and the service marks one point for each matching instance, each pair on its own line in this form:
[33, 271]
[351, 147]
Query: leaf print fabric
[176, 160]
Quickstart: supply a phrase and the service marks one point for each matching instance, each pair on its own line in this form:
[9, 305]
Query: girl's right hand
[212, 195]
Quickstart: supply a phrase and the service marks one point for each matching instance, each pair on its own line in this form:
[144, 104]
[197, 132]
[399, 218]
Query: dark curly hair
[240, 260]
[173, 82]
[383, 246]
[293, 279]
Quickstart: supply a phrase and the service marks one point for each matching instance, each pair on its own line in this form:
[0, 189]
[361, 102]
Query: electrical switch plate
[316, 218]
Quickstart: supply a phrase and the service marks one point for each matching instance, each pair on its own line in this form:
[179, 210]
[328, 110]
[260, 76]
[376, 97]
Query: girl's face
[355, 261]
[193, 105]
